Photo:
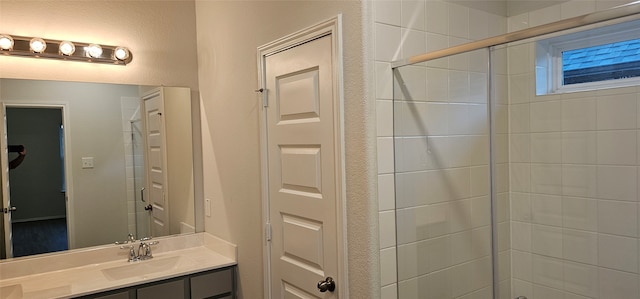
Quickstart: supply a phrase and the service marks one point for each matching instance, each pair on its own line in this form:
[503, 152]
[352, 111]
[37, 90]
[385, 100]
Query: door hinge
[265, 97]
[267, 232]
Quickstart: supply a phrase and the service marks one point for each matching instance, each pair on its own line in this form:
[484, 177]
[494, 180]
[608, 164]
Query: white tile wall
[580, 246]
[579, 114]
[574, 181]
[387, 12]
[130, 111]
[617, 284]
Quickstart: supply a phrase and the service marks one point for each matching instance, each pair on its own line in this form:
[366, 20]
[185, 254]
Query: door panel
[302, 179]
[156, 172]
[291, 292]
[301, 170]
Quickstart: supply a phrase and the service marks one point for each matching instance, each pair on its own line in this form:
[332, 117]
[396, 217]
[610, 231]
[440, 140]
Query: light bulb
[121, 53]
[94, 50]
[37, 45]
[67, 48]
[6, 42]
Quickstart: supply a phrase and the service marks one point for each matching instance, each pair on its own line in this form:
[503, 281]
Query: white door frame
[332, 27]
[4, 156]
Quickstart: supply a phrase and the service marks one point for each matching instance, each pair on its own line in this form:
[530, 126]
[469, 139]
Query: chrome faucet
[144, 248]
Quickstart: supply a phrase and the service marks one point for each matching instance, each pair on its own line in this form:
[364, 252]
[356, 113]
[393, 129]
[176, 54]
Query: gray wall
[36, 184]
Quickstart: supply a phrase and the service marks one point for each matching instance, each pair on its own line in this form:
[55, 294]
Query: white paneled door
[156, 165]
[303, 171]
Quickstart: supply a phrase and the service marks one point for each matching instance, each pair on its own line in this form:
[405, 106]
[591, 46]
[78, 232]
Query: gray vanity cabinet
[121, 295]
[212, 284]
[172, 289]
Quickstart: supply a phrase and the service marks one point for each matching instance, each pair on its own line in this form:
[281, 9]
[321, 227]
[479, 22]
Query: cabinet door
[212, 284]
[122, 295]
[168, 290]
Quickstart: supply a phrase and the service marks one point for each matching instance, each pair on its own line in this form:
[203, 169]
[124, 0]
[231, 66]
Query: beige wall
[229, 33]
[177, 107]
[160, 34]
[228, 36]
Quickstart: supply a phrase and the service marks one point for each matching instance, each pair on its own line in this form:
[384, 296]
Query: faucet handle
[130, 239]
[146, 250]
[146, 239]
[132, 253]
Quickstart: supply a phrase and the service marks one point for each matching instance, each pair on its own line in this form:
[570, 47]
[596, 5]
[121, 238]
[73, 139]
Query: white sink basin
[142, 268]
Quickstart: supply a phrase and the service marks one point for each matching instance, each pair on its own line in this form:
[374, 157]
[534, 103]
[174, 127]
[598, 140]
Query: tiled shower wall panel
[574, 181]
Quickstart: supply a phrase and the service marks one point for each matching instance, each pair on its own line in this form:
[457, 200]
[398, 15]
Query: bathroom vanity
[218, 283]
[186, 266]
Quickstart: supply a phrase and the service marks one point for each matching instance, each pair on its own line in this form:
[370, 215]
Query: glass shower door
[442, 141]
[142, 215]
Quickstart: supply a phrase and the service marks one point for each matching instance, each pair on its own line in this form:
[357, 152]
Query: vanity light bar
[65, 50]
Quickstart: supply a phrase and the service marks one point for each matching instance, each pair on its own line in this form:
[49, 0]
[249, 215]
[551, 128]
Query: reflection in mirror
[95, 164]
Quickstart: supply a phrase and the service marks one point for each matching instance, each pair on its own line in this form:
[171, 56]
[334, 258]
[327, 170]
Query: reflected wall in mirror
[90, 173]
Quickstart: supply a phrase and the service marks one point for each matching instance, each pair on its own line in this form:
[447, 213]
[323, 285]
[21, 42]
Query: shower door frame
[618, 12]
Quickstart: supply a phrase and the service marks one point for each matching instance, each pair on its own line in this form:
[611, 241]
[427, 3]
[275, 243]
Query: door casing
[333, 28]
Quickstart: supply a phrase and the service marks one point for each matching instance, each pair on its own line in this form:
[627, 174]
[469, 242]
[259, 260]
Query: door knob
[327, 285]
[148, 208]
[10, 209]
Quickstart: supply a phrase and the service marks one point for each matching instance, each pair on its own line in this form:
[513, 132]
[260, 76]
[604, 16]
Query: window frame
[549, 72]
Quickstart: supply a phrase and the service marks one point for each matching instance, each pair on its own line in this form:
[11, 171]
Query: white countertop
[98, 277]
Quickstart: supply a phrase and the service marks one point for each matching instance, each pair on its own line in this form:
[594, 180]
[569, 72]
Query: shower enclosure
[142, 219]
[504, 191]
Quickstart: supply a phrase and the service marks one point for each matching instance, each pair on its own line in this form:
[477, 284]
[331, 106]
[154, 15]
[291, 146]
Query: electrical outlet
[207, 207]
[87, 162]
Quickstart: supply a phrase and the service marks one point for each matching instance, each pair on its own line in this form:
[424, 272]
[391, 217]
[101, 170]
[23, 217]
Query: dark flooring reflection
[35, 237]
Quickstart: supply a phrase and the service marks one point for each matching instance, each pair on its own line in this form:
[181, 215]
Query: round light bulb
[37, 45]
[94, 51]
[67, 48]
[6, 42]
[121, 53]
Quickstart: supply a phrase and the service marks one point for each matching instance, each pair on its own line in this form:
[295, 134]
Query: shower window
[599, 63]
[593, 59]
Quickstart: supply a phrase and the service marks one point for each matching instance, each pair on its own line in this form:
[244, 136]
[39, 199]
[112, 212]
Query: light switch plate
[87, 162]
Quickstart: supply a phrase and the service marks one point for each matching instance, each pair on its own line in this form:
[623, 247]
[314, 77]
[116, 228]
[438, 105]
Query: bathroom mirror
[86, 178]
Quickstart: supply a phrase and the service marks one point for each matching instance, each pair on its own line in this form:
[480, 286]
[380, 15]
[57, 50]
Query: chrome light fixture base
[58, 49]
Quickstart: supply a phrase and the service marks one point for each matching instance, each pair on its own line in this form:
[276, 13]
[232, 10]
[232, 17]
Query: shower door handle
[142, 194]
